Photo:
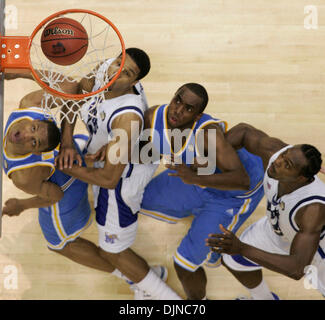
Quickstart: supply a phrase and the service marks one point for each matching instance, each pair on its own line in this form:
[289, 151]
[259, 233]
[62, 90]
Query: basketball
[64, 41]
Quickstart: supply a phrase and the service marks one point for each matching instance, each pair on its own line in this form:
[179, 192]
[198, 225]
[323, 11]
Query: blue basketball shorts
[168, 199]
[61, 225]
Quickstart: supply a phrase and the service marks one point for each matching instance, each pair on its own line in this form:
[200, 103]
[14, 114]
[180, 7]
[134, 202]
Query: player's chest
[280, 212]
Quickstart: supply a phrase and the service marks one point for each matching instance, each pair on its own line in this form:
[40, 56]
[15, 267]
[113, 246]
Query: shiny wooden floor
[259, 64]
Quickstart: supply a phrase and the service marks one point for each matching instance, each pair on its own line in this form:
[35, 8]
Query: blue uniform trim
[102, 206]
[126, 216]
[120, 110]
[128, 174]
[321, 252]
[241, 260]
[298, 204]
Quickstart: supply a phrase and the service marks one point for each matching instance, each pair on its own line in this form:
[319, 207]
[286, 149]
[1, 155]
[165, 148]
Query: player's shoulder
[29, 175]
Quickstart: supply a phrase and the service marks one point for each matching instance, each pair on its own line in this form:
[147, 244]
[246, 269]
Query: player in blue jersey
[30, 147]
[228, 195]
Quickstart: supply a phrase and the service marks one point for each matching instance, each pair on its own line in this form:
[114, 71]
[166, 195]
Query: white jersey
[274, 232]
[99, 120]
[281, 212]
[116, 209]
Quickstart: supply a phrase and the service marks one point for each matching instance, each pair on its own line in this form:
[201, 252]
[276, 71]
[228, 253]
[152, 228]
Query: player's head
[35, 136]
[187, 105]
[136, 66]
[301, 162]
[141, 59]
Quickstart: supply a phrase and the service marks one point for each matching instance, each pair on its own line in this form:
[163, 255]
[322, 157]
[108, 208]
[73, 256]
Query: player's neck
[115, 94]
[289, 187]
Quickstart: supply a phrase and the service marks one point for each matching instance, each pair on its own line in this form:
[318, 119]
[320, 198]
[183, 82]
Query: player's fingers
[102, 155]
[60, 159]
[218, 250]
[66, 161]
[224, 230]
[211, 242]
[79, 160]
[92, 156]
[217, 236]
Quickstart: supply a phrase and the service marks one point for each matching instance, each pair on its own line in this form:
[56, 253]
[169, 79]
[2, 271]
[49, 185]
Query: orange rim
[76, 96]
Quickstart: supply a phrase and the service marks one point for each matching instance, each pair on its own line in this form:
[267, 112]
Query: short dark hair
[200, 91]
[141, 59]
[53, 135]
[314, 159]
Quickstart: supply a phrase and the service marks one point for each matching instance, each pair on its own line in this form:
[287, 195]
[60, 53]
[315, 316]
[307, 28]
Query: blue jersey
[77, 188]
[189, 150]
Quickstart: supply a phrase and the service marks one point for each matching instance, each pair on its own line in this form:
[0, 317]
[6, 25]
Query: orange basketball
[64, 41]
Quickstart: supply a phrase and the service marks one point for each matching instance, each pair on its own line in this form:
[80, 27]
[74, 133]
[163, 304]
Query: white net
[61, 109]
[103, 43]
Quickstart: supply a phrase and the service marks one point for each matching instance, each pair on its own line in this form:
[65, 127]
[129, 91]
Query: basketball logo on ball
[64, 41]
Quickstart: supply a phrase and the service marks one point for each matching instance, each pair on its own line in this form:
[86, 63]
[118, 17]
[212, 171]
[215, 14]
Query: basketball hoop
[24, 54]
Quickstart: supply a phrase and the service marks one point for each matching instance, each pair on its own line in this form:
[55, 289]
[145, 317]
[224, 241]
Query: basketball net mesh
[103, 43]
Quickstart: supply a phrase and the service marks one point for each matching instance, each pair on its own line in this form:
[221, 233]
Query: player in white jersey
[292, 235]
[119, 184]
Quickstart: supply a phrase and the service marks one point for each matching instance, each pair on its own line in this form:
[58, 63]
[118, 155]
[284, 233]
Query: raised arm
[220, 154]
[233, 175]
[33, 181]
[118, 153]
[254, 141]
[68, 154]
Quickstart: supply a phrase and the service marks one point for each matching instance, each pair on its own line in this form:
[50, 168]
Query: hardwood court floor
[259, 65]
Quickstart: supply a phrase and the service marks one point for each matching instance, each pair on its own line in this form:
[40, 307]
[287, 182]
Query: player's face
[30, 136]
[184, 109]
[128, 76]
[288, 165]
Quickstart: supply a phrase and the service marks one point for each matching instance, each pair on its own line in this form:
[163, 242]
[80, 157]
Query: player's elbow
[297, 272]
[110, 183]
[244, 181]
[58, 196]
[296, 275]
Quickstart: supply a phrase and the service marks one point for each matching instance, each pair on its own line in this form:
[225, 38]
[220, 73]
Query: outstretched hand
[100, 155]
[12, 207]
[183, 171]
[226, 242]
[66, 158]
